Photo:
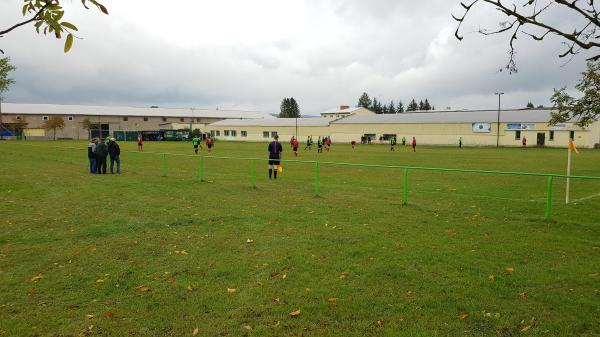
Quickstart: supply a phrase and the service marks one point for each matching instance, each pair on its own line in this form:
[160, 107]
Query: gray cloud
[234, 54]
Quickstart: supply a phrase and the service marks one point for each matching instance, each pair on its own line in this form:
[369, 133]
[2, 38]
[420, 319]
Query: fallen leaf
[249, 241]
[509, 269]
[344, 275]
[492, 277]
[232, 290]
[463, 316]
[526, 328]
[275, 299]
[295, 313]
[108, 314]
[332, 300]
[89, 316]
[307, 289]
[37, 278]
[379, 323]
[524, 295]
[100, 280]
[284, 276]
[142, 288]
[189, 288]
[248, 327]
[195, 332]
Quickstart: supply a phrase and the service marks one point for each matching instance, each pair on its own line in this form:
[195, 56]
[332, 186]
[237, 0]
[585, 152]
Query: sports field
[142, 254]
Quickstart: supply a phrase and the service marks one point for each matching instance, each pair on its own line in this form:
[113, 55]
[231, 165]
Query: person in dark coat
[101, 153]
[114, 151]
[92, 155]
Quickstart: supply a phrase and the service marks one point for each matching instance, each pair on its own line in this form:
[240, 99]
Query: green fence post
[253, 174]
[201, 168]
[164, 160]
[549, 198]
[316, 178]
[405, 197]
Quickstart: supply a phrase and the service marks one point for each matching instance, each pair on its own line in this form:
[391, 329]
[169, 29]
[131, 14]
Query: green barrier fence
[405, 169]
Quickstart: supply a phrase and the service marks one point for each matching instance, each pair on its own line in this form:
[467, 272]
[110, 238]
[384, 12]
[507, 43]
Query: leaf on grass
[142, 288]
[89, 316]
[492, 278]
[275, 299]
[332, 300]
[295, 313]
[100, 280]
[344, 275]
[526, 328]
[108, 314]
[248, 327]
[463, 316]
[195, 332]
[232, 290]
[249, 241]
[37, 278]
[524, 295]
[509, 270]
[189, 288]
[379, 323]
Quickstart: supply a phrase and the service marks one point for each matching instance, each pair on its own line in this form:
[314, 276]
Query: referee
[274, 149]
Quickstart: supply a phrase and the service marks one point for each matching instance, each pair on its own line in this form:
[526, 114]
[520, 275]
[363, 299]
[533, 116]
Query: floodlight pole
[498, 122]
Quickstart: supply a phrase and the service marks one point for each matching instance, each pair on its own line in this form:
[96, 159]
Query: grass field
[145, 255]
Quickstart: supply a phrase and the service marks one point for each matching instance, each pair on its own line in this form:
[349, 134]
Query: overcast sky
[250, 54]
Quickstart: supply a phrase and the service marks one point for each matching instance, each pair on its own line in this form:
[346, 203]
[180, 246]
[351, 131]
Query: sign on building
[482, 127]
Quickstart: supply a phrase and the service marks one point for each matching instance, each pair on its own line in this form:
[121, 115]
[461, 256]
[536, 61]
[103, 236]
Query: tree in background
[426, 105]
[529, 105]
[421, 106]
[364, 101]
[400, 107]
[412, 106]
[289, 108]
[5, 82]
[48, 18]
[54, 123]
[376, 107]
[86, 124]
[578, 33]
[584, 110]
[391, 108]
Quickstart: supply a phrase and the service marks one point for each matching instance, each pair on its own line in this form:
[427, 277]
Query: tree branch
[34, 18]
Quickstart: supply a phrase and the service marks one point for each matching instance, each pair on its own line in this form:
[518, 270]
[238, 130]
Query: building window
[145, 119]
[18, 118]
[212, 133]
[70, 118]
[226, 133]
[273, 134]
[181, 119]
[572, 135]
[164, 119]
[551, 135]
[233, 133]
[45, 118]
[197, 120]
[517, 135]
[244, 133]
[125, 119]
[265, 134]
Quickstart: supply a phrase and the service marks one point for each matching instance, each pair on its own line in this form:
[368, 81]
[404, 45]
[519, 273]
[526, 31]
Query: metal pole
[405, 197]
[498, 121]
[568, 188]
[549, 199]
[316, 178]
[253, 174]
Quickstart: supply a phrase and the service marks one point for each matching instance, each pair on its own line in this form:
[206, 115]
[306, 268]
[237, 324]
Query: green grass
[394, 269]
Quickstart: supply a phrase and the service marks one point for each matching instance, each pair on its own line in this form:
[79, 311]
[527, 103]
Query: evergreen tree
[400, 108]
[294, 109]
[289, 108]
[376, 107]
[412, 106]
[529, 105]
[365, 101]
[426, 105]
[421, 106]
[391, 108]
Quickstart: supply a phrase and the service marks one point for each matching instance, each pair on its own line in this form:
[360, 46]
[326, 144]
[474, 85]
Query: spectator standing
[460, 142]
[92, 155]
[101, 153]
[392, 143]
[414, 144]
[140, 140]
[275, 150]
[114, 151]
[524, 141]
[403, 141]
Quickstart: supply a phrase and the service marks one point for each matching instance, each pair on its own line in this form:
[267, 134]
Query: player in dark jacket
[275, 150]
[101, 152]
[114, 151]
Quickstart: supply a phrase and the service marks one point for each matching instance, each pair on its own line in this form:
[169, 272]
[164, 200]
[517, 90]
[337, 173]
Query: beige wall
[255, 133]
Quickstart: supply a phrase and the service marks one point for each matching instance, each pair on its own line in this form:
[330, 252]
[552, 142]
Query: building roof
[56, 109]
[273, 122]
[471, 116]
[340, 111]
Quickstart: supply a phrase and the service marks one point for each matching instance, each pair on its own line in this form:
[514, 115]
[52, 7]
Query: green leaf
[25, 9]
[68, 25]
[68, 43]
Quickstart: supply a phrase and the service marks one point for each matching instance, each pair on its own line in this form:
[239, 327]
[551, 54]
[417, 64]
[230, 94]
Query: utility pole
[498, 122]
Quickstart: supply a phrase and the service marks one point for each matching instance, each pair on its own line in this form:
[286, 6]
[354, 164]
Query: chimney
[344, 107]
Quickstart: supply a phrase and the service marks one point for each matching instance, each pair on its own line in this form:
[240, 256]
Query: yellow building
[475, 128]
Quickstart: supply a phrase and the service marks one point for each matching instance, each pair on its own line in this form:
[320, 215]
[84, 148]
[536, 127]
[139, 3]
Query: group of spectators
[98, 150]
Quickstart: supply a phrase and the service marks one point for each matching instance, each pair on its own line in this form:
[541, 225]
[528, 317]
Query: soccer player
[353, 144]
[403, 141]
[292, 141]
[196, 142]
[295, 147]
[328, 143]
[414, 144]
[392, 143]
[275, 150]
[460, 142]
[319, 145]
[209, 143]
[524, 141]
[308, 143]
[140, 141]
